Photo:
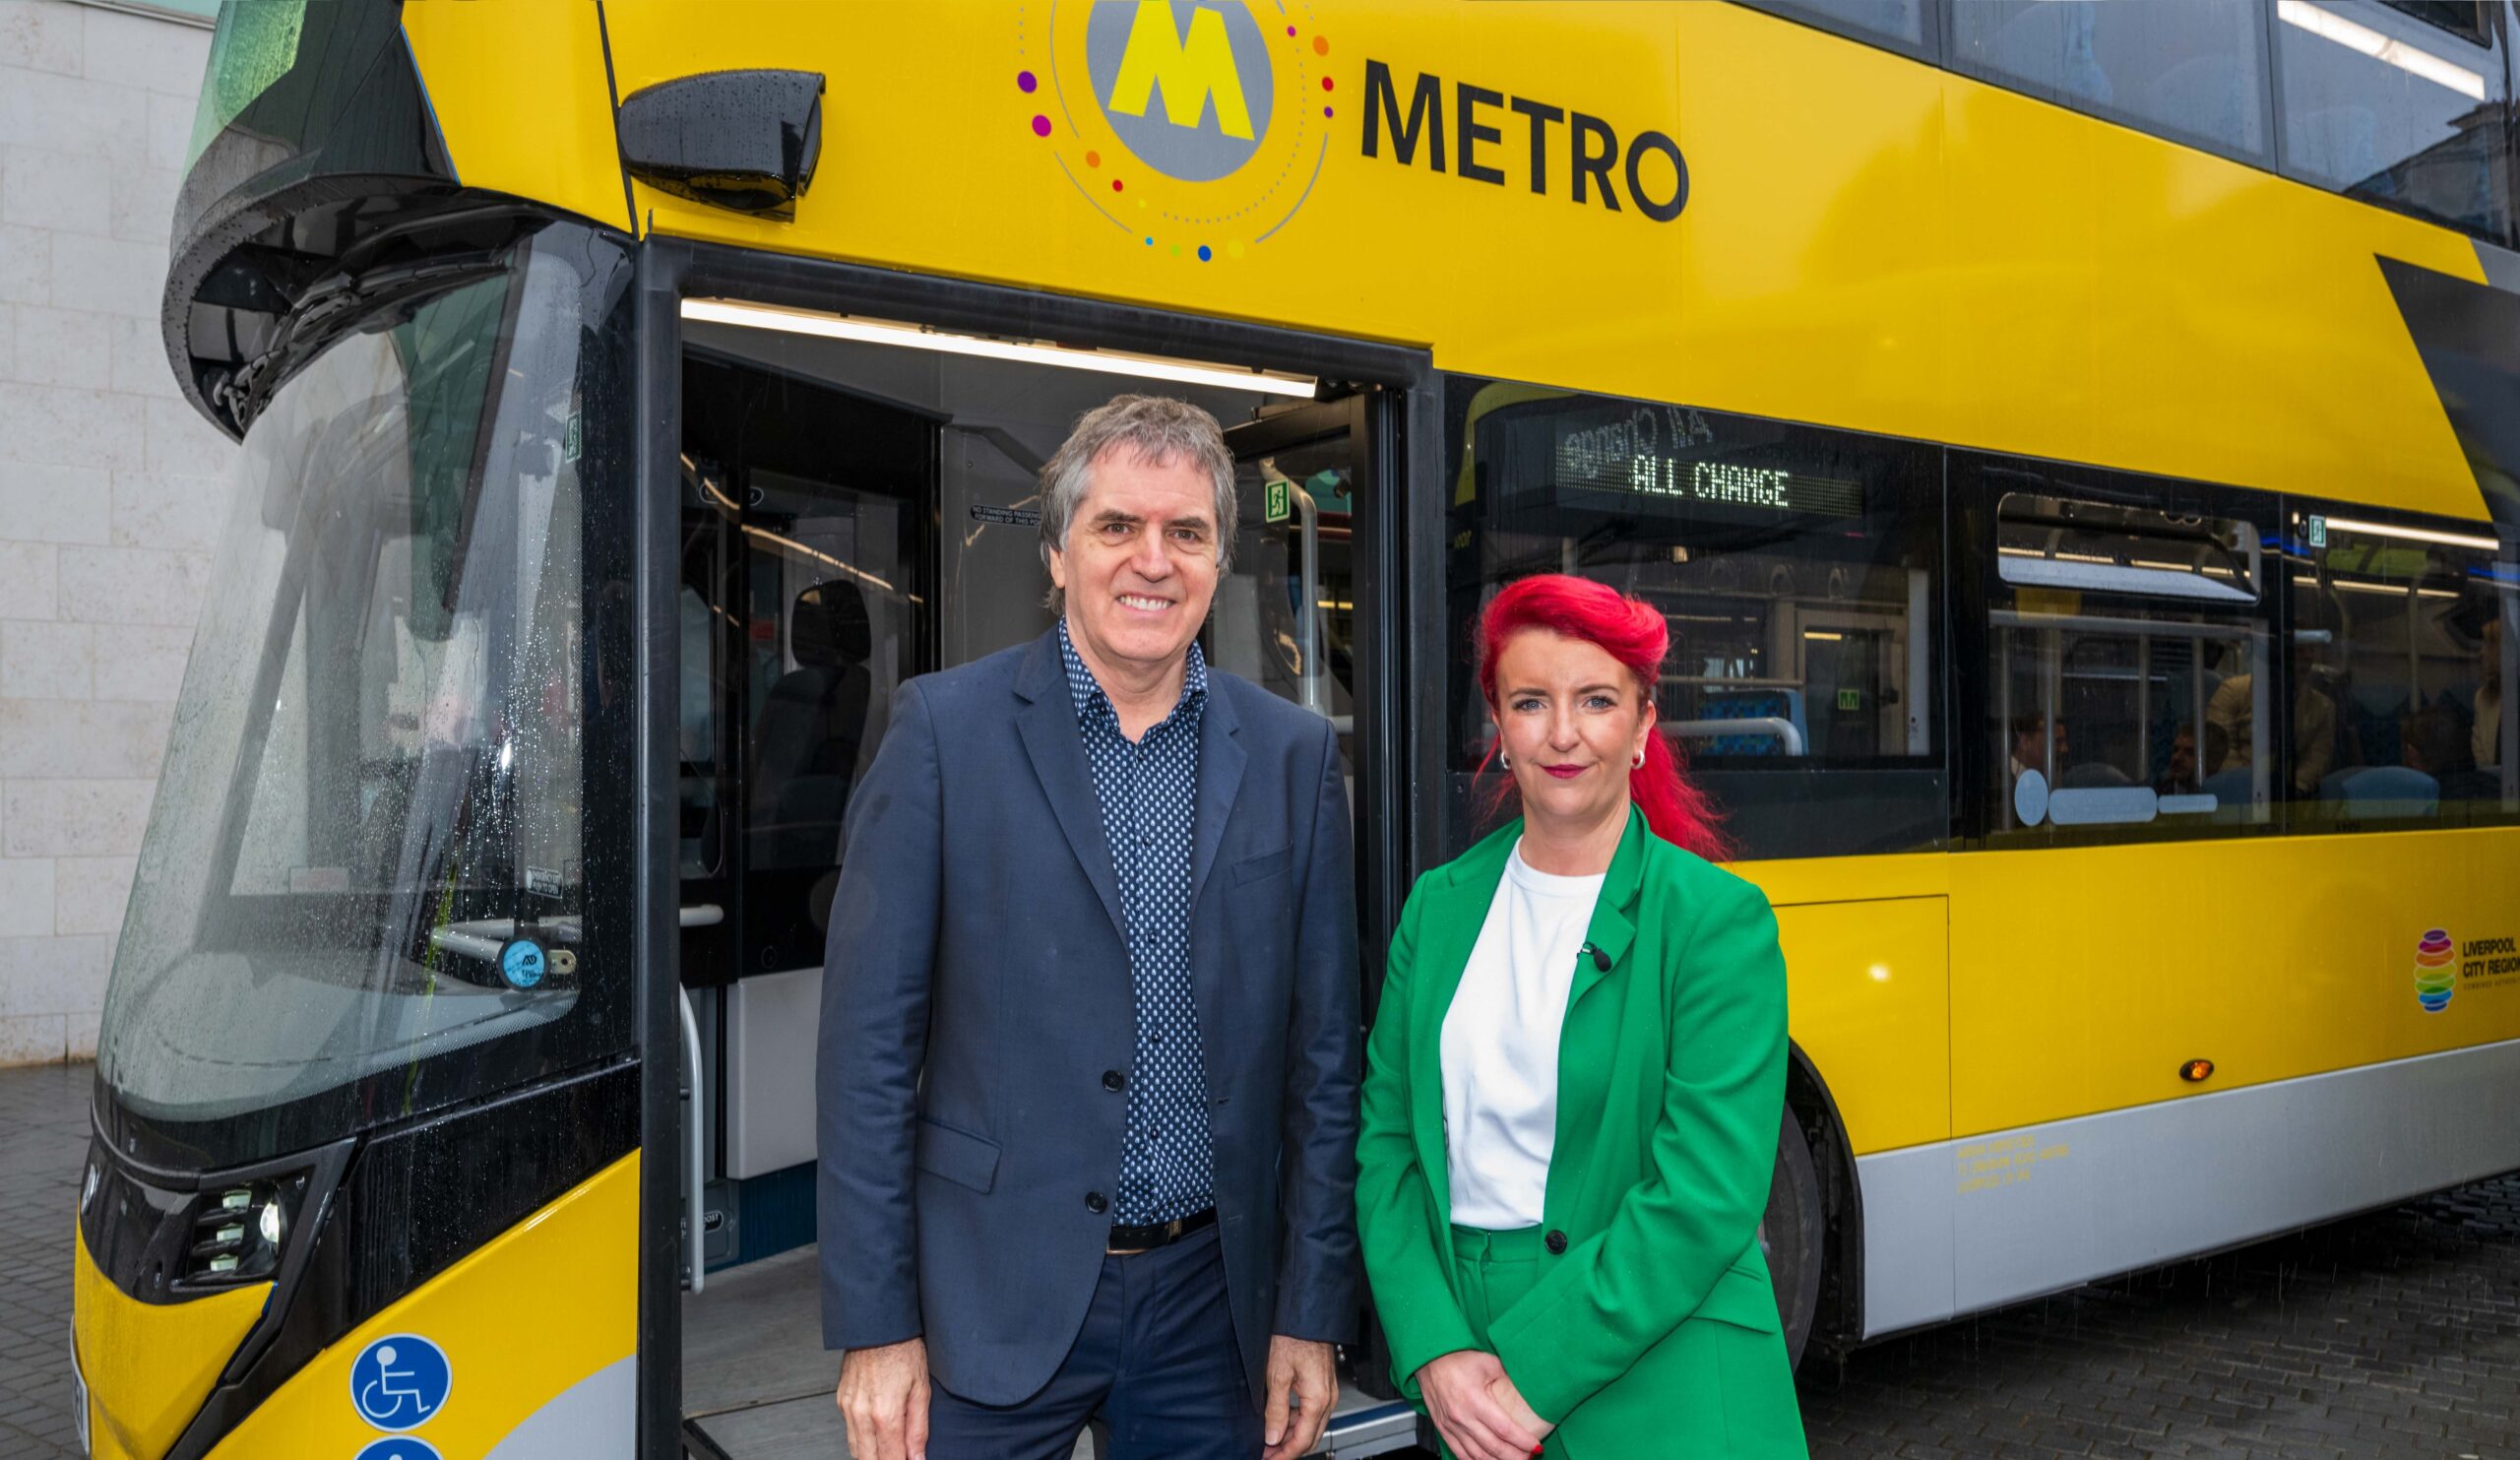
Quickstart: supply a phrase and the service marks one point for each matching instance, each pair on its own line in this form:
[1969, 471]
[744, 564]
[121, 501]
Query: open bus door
[848, 516]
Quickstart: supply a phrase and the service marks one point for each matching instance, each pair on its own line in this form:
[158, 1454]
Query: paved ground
[44, 1136]
[2396, 1334]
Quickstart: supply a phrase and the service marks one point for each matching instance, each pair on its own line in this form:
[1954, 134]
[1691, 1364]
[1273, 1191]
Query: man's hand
[1461, 1393]
[1302, 1377]
[883, 1395]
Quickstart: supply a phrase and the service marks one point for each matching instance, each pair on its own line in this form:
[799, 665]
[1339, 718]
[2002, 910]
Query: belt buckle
[1165, 1233]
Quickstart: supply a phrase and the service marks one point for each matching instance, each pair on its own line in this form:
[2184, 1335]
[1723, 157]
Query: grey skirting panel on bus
[1960, 1226]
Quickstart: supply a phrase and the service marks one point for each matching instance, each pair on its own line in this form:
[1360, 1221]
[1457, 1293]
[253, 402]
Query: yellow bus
[2076, 447]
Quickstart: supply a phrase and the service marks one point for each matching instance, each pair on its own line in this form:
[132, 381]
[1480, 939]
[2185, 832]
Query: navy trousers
[1155, 1361]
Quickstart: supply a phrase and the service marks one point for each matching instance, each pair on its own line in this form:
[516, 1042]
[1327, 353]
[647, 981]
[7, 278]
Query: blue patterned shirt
[1149, 796]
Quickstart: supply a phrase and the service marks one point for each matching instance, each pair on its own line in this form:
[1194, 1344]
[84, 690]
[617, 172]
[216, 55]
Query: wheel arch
[1838, 1325]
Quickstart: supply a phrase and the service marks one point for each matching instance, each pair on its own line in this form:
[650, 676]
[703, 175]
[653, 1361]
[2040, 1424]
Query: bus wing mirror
[745, 141]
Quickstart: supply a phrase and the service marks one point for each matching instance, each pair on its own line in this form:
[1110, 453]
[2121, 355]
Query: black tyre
[1793, 1237]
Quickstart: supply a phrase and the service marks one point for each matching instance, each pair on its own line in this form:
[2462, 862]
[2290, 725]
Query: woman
[1575, 1083]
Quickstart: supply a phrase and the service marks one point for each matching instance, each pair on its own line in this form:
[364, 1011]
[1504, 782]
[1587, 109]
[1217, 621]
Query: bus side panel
[2082, 979]
[1934, 258]
[1972, 1224]
[1866, 994]
[541, 1333]
[522, 96]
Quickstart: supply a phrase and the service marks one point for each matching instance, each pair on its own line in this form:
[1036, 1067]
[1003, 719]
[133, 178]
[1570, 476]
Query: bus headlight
[236, 1230]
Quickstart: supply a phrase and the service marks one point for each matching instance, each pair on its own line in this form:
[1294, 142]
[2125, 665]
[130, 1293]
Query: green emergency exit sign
[1275, 506]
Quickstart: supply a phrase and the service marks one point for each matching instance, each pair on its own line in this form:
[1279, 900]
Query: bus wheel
[1793, 1237]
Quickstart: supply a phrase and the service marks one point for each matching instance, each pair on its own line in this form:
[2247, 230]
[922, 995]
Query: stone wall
[111, 492]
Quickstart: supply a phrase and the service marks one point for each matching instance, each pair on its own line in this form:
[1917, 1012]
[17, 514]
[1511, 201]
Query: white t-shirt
[1500, 1044]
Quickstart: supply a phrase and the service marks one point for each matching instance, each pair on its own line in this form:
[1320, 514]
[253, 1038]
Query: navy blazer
[976, 988]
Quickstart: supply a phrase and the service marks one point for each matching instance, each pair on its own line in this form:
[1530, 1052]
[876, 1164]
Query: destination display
[1672, 450]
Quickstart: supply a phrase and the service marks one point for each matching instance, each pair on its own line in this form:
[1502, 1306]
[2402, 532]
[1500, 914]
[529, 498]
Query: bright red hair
[1633, 632]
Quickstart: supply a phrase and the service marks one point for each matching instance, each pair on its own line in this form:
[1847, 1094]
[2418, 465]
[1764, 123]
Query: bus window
[2409, 627]
[2194, 71]
[810, 599]
[1901, 24]
[2128, 686]
[1798, 569]
[2383, 106]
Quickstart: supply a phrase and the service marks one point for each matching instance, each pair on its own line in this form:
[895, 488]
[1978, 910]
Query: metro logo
[1192, 69]
[1188, 86]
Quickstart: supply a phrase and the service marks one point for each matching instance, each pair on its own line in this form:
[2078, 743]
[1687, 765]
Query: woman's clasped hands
[1477, 1410]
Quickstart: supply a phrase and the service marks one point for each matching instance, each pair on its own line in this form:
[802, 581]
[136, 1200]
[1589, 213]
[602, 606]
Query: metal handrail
[695, 1124]
[1748, 724]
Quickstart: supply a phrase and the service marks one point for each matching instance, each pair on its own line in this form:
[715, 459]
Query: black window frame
[1979, 482]
[1919, 518]
[2307, 817]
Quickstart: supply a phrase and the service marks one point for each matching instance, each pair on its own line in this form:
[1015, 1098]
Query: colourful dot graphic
[1320, 47]
[1041, 126]
[1116, 184]
[1290, 30]
[1204, 255]
[1326, 112]
[1328, 84]
[1092, 160]
[1025, 83]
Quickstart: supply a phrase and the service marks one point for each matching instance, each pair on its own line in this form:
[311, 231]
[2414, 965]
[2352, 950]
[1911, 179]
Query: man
[2181, 778]
[2232, 709]
[2032, 740]
[1090, 1031]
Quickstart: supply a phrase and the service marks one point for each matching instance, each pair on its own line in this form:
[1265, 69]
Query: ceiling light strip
[911, 337]
[2388, 49]
[2414, 534]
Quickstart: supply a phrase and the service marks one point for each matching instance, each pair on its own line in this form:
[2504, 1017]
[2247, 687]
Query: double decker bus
[2075, 446]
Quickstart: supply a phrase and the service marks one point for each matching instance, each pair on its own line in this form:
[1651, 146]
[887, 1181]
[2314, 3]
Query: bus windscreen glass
[362, 895]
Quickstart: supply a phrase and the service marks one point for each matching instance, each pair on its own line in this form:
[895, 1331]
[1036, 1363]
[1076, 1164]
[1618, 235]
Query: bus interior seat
[806, 743]
[2381, 790]
[2231, 789]
[1760, 704]
[2092, 775]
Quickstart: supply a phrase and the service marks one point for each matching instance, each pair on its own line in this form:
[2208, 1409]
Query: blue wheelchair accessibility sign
[398, 1383]
[399, 1447]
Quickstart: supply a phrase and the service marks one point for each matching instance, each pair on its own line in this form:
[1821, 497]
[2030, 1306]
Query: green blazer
[1671, 1094]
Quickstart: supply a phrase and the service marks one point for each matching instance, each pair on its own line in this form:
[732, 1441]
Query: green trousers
[1738, 1401]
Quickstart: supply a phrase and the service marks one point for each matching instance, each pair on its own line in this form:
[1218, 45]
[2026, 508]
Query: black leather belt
[1127, 1239]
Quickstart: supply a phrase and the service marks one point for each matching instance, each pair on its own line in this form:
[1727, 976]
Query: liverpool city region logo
[2437, 973]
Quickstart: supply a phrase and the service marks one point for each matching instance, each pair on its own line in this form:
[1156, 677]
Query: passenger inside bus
[2035, 749]
[2232, 709]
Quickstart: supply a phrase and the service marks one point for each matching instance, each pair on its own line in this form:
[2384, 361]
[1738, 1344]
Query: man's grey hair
[1159, 429]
